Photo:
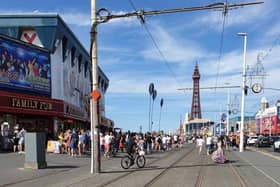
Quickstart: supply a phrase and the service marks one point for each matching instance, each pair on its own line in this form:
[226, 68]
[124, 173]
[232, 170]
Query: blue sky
[129, 58]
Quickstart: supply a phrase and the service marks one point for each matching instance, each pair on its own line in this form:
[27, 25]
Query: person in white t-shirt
[208, 144]
[175, 138]
[107, 142]
[200, 142]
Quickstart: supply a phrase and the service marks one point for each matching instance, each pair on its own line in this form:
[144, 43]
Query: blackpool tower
[196, 111]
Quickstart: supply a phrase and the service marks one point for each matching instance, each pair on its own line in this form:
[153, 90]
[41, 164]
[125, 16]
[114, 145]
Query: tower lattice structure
[196, 111]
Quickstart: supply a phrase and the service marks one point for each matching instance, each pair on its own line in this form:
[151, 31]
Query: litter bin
[35, 153]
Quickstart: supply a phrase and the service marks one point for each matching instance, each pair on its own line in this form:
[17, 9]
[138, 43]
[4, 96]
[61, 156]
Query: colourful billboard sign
[24, 68]
[278, 115]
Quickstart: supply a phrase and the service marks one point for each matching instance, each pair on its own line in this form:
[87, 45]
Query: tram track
[199, 178]
[162, 173]
[240, 179]
[143, 169]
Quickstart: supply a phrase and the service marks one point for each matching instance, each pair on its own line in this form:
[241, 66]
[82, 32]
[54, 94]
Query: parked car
[263, 141]
[272, 139]
[276, 144]
[252, 140]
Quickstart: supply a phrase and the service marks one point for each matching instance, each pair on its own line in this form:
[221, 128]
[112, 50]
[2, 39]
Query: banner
[24, 68]
[278, 115]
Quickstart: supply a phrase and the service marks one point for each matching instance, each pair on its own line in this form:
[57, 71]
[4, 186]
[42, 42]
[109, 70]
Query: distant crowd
[77, 142]
[215, 145]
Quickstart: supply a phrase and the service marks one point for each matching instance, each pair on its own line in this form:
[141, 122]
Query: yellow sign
[31, 104]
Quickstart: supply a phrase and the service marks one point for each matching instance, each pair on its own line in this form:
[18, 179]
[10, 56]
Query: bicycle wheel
[126, 162]
[141, 161]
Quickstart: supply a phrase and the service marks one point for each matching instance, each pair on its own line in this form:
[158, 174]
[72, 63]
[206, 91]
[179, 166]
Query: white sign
[30, 36]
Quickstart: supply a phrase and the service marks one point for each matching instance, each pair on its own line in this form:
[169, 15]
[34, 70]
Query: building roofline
[53, 15]
[28, 15]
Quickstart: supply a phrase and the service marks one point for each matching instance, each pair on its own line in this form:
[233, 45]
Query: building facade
[234, 124]
[267, 119]
[61, 100]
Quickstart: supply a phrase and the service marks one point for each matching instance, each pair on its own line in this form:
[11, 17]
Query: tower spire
[196, 111]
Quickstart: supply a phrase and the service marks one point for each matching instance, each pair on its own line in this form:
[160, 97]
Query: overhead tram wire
[210, 87]
[103, 16]
[221, 45]
[225, 11]
[156, 45]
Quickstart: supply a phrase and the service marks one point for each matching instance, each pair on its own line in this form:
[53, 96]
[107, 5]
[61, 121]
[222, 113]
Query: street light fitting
[103, 15]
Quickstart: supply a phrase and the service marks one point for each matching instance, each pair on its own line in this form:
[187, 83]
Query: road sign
[95, 95]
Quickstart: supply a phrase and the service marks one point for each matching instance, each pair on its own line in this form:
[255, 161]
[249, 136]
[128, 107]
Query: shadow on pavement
[61, 167]
[6, 151]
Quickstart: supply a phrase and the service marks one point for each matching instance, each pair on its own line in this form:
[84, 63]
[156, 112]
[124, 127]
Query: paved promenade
[183, 167]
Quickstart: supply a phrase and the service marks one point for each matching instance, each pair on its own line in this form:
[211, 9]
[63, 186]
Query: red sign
[28, 38]
[95, 95]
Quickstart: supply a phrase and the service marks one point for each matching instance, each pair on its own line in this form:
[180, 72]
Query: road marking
[265, 153]
[265, 174]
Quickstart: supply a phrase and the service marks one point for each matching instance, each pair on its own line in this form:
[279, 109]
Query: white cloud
[247, 14]
[76, 18]
[133, 82]
[174, 50]
[123, 22]
[274, 31]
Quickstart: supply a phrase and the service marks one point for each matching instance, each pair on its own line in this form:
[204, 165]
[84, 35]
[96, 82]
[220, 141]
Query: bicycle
[130, 159]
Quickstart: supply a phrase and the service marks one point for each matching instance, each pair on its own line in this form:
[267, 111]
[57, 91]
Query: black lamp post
[151, 91]
[161, 104]
[154, 95]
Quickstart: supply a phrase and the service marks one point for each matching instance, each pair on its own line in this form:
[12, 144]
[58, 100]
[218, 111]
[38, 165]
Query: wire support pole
[228, 111]
[241, 143]
[159, 120]
[95, 152]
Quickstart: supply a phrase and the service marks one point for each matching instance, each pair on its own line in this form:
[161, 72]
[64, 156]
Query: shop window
[73, 51]
[64, 48]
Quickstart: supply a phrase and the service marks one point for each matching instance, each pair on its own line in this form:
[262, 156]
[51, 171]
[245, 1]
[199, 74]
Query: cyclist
[131, 145]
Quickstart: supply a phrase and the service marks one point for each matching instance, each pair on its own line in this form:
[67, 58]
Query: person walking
[107, 143]
[200, 142]
[208, 144]
[21, 142]
[74, 143]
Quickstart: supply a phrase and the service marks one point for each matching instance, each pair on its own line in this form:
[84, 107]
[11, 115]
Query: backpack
[74, 138]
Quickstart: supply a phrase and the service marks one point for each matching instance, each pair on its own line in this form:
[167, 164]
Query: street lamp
[228, 107]
[241, 143]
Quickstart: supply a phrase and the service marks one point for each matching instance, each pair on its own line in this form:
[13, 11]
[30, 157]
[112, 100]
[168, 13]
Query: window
[64, 48]
[80, 58]
[73, 51]
[86, 68]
